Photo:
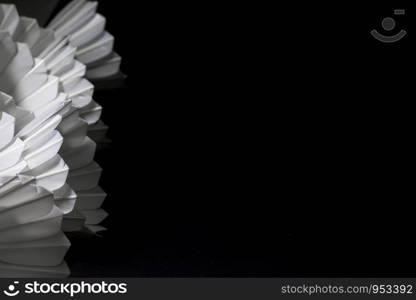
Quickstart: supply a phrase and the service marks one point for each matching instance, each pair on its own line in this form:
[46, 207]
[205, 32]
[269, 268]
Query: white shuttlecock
[85, 28]
[46, 157]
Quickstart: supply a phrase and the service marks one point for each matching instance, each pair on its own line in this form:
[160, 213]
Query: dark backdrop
[256, 141]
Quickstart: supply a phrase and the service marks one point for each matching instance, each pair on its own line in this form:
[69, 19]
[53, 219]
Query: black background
[256, 141]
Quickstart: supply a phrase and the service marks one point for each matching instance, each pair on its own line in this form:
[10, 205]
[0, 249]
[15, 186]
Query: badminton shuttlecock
[46, 108]
[85, 28]
[31, 170]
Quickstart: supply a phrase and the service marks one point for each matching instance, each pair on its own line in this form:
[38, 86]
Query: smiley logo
[12, 291]
[389, 24]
